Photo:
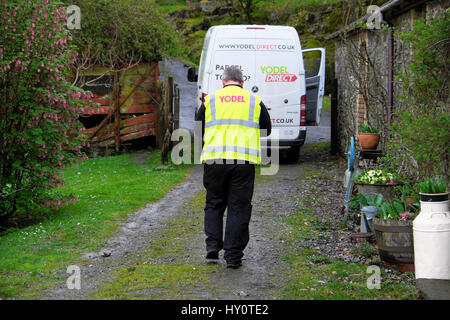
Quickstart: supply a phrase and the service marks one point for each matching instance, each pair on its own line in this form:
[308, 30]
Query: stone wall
[361, 68]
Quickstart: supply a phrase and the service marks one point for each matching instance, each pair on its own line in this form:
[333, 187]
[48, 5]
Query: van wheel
[294, 153]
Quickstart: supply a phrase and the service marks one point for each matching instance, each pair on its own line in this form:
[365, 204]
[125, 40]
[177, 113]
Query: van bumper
[286, 143]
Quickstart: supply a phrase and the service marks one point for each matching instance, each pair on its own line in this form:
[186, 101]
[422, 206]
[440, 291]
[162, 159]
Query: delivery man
[231, 120]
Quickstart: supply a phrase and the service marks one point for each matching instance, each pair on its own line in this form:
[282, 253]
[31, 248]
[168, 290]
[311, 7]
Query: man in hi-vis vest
[232, 119]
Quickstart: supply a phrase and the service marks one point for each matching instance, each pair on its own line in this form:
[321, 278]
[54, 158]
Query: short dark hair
[233, 73]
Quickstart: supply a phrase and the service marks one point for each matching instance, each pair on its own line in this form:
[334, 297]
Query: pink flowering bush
[39, 108]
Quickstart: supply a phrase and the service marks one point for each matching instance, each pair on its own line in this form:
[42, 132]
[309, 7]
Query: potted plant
[433, 190]
[377, 181]
[368, 136]
[394, 231]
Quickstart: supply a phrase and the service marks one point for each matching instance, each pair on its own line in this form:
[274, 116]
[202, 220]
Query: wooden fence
[134, 104]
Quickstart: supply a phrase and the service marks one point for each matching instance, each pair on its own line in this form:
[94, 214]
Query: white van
[271, 60]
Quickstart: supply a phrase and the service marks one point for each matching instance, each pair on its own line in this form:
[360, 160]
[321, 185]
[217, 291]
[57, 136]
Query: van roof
[247, 26]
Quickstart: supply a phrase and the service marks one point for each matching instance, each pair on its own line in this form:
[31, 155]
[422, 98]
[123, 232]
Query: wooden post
[176, 109]
[168, 101]
[167, 123]
[160, 122]
[334, 114]
[116, 94]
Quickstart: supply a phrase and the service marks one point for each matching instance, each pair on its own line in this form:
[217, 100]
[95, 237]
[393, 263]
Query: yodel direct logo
[281, 78]
[277, 74]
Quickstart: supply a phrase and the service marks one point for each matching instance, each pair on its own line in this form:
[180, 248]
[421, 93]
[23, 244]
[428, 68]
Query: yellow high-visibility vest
[232, 125]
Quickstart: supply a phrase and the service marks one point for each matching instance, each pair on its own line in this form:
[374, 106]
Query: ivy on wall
[420, 142]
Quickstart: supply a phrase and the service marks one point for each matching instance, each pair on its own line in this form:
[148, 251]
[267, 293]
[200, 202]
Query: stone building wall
[347, 95]
[368, 100]
[361, 70]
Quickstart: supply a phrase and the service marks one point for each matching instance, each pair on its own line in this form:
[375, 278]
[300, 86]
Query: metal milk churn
[431, 230]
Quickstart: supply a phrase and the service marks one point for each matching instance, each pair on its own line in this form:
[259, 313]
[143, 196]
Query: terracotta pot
[409, 200]
[369, 140]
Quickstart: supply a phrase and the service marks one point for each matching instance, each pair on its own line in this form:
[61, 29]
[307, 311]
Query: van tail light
[303, 110]
[203, 96]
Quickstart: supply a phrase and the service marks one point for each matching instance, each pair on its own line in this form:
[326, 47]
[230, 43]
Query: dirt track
[259, 278]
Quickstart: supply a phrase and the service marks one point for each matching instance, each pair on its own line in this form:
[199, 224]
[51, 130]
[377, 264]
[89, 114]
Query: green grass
[326, 104]
[318, 2]
[171, 8]
[317, 278]
[313, 276]
[34, 258]
[296, 3]
[317, 147]
[154, 281]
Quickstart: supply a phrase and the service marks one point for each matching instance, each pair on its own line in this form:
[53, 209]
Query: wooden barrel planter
[395, 242]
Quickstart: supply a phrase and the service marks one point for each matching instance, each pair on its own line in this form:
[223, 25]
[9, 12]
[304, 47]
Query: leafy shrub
[364, 201]
[395, 211]
[39, 108]
[419, 146]
[120, 32]
[400, 208]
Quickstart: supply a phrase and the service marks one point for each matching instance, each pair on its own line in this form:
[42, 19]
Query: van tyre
[294, 154]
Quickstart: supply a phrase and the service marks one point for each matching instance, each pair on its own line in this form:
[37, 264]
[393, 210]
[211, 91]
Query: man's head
[232, 75]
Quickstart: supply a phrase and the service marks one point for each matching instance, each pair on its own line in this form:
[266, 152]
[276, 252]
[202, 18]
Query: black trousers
[228, 186]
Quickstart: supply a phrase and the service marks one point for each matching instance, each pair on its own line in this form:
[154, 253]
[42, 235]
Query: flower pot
[409, 200]
[437, 197]
[369, 141]
[395, 241]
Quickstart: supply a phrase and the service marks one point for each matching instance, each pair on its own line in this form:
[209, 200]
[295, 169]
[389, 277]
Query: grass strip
[34, 258]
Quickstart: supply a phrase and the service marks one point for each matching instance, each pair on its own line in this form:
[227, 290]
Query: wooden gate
[129, 103]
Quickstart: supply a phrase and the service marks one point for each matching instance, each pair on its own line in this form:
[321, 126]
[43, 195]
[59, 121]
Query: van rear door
[314, 62]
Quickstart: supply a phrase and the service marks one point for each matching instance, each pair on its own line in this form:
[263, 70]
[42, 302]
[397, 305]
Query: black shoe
[213, 255]
[234, 264]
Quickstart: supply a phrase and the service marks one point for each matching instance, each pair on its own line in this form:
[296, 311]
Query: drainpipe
[390, 81]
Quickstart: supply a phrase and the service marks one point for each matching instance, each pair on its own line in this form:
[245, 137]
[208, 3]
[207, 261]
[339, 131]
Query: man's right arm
[265, 123]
